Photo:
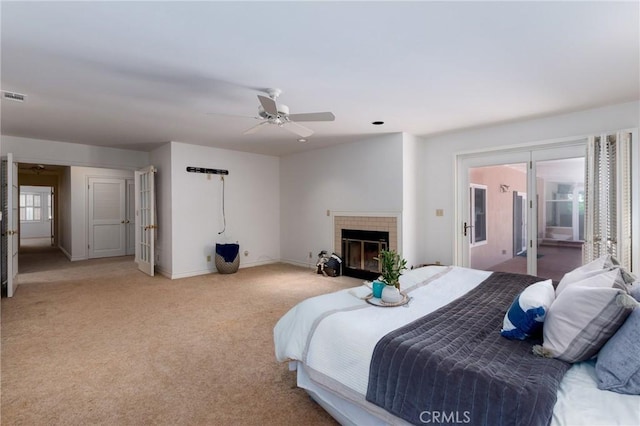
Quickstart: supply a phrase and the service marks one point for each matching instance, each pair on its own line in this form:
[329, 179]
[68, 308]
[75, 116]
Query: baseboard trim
[71, 258]
[310, 265]
[66, 253]
[161, 271]
[214, 271]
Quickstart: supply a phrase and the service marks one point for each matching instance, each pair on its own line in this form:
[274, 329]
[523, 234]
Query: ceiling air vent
[13, 96]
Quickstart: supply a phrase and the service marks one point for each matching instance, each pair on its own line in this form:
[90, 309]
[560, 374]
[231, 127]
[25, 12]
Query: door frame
[130, 216]
[521, 199]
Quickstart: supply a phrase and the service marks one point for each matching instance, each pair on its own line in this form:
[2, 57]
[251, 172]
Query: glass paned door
[497, 217]
[560, 192]
[533, 209]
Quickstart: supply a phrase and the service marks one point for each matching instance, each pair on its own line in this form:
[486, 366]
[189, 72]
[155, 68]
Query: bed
[337, 342]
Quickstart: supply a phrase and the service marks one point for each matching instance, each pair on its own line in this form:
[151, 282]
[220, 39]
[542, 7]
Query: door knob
[465, 227]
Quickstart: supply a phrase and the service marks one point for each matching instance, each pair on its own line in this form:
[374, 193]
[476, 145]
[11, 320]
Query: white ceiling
[137, 74]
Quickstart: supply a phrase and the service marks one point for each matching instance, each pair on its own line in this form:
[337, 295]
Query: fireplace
[360, 249]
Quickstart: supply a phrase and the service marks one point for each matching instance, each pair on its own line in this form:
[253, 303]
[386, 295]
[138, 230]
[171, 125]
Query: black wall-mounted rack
[207, 171]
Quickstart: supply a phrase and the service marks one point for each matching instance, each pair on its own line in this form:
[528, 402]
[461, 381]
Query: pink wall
[499, 246]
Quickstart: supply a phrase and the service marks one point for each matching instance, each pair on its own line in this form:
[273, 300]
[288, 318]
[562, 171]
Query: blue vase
[377, 287]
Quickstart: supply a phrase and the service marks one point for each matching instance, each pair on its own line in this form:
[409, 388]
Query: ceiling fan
[270, 112]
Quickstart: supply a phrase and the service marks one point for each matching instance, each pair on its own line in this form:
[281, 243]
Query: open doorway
[75, 234]
[36, 216]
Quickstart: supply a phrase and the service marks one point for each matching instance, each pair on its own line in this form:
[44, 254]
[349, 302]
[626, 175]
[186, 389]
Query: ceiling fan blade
[255, 128]
[313, 116]
[269, 105]
[298, 129]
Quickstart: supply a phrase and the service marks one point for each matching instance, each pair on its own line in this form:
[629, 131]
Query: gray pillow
[618, 365]
[634, 290]
[581, 320]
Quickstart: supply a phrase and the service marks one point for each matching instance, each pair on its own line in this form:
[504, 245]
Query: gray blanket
[453, 366]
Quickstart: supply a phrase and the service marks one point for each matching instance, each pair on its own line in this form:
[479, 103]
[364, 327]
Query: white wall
[80, 207]
[362, 176]
[252, 205]
[438, 156]
[41, 228]
[65, 213]
[161, 159]
[410, 196]
[27, 150]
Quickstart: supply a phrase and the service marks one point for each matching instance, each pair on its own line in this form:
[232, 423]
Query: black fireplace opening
[360, 250]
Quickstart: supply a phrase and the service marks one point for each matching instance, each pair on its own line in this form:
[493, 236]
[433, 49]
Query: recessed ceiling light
[303, 140]
[377, 123]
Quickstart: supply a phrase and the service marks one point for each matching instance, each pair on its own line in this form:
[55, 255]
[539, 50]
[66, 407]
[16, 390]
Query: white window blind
[608, 197]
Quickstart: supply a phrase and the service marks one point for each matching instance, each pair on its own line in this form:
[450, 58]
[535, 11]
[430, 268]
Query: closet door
[107, 217]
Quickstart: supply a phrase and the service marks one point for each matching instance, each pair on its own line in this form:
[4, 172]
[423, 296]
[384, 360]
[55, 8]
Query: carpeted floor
[97, 342]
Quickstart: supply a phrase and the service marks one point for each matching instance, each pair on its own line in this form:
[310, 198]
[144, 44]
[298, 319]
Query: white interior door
[145, 219]
[13, 220]
[107, 214]
[130, 220]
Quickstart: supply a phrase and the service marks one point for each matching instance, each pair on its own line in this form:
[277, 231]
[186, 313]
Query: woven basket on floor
[227, 267]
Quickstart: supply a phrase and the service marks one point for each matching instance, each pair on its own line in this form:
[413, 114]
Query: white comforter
[356, 330]
[335, 334]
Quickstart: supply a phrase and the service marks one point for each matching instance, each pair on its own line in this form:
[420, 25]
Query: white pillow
[581, 320]
[588, 277]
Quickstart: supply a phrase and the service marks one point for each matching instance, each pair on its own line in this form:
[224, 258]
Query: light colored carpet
[97, 342]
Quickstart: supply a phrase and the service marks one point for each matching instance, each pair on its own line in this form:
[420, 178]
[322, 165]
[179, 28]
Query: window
[478, 203]
[30, 207]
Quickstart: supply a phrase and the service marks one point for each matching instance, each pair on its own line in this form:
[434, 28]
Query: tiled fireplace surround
[365, 223]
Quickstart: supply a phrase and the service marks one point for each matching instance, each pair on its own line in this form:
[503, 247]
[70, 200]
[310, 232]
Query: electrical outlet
[310, 255]
[208, 258]
[246, 252]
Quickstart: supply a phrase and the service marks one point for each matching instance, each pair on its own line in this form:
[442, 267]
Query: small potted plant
[392, 265]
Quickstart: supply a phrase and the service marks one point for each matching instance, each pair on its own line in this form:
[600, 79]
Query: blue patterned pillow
[527, 312]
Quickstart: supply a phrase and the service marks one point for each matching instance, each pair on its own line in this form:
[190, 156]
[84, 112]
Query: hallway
[39, 262]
